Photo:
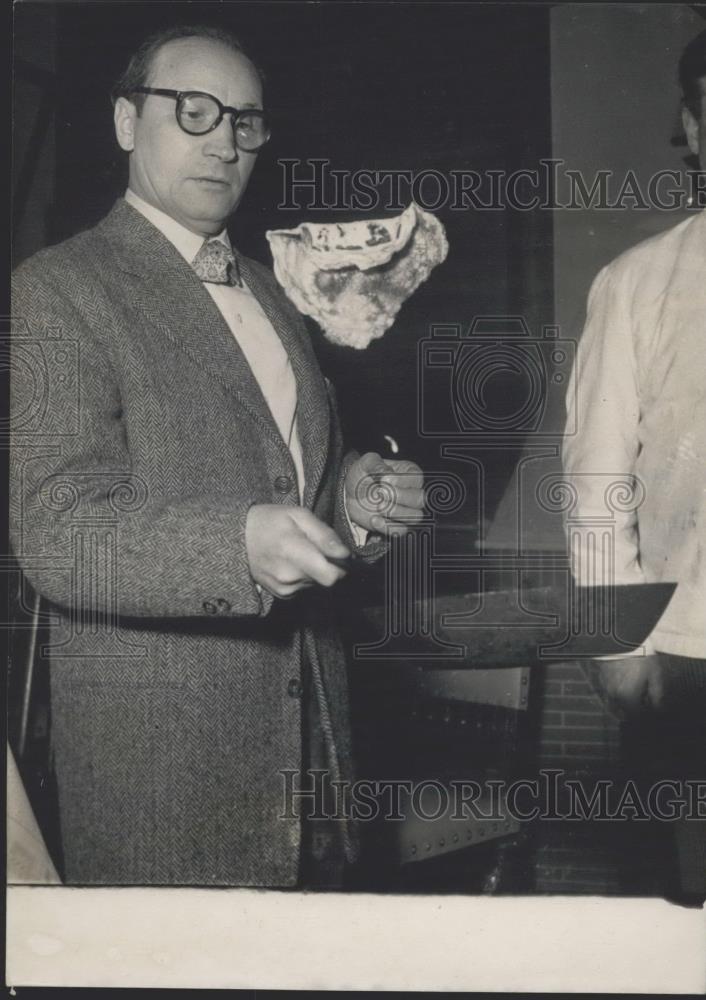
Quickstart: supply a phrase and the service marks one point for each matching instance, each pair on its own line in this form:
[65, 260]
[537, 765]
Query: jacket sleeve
[375, 545]
[84, 528]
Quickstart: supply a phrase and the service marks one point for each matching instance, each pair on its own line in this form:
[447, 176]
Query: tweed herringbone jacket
[140, 440]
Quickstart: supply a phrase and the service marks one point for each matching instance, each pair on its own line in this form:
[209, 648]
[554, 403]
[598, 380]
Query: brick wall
[579, 736]
[574, 728]
[579, 865]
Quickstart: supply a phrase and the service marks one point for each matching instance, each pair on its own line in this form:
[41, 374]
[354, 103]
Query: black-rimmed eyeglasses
[198, 113]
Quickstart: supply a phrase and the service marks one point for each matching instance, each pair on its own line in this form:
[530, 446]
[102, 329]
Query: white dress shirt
[257, 338]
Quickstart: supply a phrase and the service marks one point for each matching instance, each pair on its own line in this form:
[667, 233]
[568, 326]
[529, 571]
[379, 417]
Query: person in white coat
[639, 392]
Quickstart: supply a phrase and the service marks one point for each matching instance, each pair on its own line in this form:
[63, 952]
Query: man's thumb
[321, 535]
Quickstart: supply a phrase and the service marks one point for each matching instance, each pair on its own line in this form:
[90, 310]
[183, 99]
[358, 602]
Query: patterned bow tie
[215, 263]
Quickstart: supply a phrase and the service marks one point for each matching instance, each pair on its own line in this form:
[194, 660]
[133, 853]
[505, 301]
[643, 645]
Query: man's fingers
[398, 474]
[385, 525]
[409, 474]
[289, 548]
[405, 515]
[399, 514]
[285, 591]
[408, 497]
[306, 559]
[390, 528]
[381, 494]
[320, 535]
[372, 462]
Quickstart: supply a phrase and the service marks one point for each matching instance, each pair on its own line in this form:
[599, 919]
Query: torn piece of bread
[353, 277]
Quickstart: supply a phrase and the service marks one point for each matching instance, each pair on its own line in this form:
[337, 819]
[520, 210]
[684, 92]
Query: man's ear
[124, 117]
[691, 127]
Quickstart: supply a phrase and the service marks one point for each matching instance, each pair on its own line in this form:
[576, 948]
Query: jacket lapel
[313, 414]
[171, 298]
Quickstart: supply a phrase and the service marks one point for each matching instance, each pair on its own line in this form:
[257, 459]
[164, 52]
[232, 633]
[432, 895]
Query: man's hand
[384, 496]
[629, 685]
[289, 549]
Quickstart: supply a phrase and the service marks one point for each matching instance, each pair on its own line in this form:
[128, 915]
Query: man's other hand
[629, 685]
[289, 549]
[384, 496]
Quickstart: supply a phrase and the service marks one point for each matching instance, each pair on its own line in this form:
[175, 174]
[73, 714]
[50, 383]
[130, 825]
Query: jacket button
[283, 484]
[294, 688]
[210, 608]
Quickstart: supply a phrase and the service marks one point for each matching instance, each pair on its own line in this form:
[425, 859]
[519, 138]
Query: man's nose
[221, 141]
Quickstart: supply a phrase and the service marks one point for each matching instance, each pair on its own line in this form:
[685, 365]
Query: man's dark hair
[692, 71]
[137, 71]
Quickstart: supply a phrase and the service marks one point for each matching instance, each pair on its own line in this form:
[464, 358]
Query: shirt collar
[187, 243]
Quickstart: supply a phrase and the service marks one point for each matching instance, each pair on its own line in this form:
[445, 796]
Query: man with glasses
[186, 531]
